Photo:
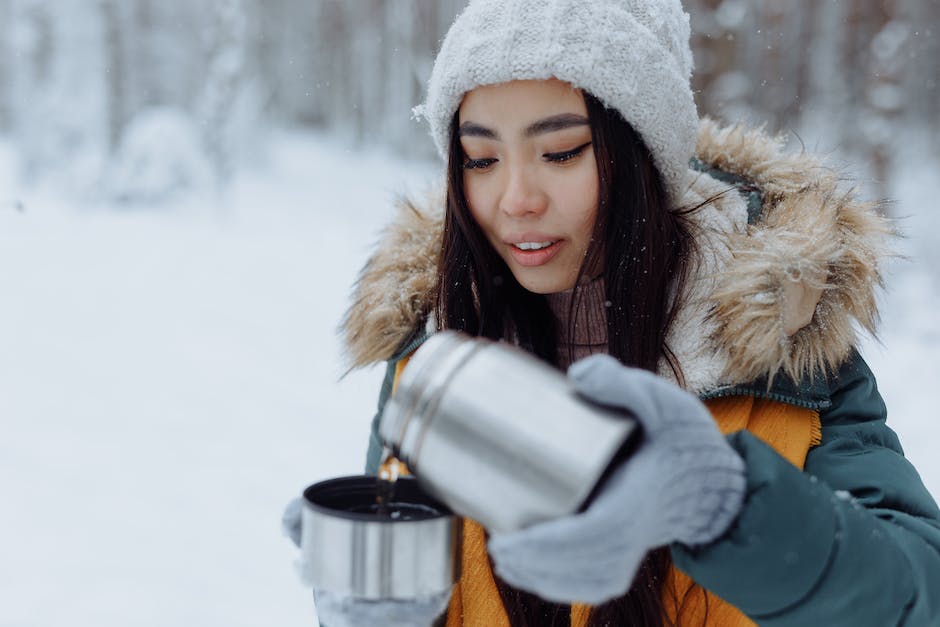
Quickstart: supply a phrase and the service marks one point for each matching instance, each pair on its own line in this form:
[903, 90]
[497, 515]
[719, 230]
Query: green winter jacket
[854, 538]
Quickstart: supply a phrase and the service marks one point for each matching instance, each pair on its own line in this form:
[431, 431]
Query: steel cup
[351, 550]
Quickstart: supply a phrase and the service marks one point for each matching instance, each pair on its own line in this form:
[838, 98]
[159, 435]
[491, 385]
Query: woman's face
[530, 177]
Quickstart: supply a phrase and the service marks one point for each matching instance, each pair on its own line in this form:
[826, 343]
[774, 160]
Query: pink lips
[531, 258]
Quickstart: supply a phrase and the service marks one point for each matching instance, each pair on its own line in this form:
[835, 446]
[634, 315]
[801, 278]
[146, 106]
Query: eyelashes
[478, 164]
[552, 157]
[561, 157]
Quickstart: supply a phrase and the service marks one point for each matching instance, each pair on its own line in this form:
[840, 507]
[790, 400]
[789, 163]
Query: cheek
[590, 209]
[480, 200]
[581, 195]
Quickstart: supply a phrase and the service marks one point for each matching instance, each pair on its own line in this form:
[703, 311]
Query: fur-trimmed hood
[785, 293]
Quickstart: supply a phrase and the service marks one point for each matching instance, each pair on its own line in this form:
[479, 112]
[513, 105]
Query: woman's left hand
[684, 483]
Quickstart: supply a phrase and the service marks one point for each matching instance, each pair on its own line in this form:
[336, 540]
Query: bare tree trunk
[808, 18]
[338, 86]
[223, 80]
[883, 98]
[402, 90]
[921, 80]
[6, 79]
[118, 112]
[790, 21]
[141, 50]
[829, 109]
[714, 54]
[33, 49]
[365, 19]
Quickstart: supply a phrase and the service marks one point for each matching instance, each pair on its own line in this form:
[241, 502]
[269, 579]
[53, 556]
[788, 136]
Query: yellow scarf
[790, 430]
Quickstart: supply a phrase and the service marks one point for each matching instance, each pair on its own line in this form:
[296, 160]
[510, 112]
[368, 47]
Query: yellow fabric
[475, 601]
[791, 431]
[398, 368]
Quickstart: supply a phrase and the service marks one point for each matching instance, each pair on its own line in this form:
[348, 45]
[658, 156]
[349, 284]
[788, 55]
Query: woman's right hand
[291, 524]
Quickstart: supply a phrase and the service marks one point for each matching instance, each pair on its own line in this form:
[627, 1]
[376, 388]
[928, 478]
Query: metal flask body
[498, 435]
[356, 554]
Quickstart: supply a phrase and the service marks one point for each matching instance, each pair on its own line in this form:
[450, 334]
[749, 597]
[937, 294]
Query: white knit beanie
[633, 55]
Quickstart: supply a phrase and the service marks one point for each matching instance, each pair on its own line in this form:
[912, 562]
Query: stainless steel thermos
[498, 435]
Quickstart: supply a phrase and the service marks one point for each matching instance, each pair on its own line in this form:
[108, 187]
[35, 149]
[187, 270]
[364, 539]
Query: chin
[546, 285]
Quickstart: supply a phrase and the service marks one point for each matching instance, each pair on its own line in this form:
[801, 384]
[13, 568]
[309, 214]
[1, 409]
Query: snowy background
[180, 227]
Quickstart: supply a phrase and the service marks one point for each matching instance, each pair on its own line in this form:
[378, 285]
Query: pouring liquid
[388, 476]
[385, 505]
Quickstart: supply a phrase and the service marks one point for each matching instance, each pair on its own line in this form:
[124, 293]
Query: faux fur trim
[812, 232]
[395, 290]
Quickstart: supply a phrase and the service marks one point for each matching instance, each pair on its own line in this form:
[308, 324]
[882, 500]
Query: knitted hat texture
[633, 55]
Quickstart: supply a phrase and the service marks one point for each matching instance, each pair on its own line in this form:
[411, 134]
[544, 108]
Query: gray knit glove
[291, 520]
[337, 611]
[683, 484]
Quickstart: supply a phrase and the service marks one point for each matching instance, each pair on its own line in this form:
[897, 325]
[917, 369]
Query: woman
[590, 214]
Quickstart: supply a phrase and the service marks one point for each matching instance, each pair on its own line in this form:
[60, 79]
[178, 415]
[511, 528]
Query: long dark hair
[645, 250]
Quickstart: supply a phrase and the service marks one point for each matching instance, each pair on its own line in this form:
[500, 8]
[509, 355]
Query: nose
[523, 196]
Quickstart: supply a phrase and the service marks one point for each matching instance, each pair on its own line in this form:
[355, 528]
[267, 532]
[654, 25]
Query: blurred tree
[221, 90]
[364, 22]
[920, 83]
[828, 106]
[865, 70]
[57, 99]
[290, 58]
[6, 60]
[403, 85]
[719, 34]
[366, 66]
[850, 74]
[31, 45]
[116, 29]
[884, 100]
[784, 73]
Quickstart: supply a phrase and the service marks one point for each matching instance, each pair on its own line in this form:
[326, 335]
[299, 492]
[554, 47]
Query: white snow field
[170, 378]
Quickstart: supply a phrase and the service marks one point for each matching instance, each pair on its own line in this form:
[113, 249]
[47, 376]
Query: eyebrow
[547, 125]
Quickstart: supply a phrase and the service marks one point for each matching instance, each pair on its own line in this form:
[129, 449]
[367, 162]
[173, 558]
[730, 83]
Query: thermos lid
[499, 435]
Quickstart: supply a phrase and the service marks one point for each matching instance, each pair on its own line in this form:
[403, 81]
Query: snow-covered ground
[170, 378]
[168, 381]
